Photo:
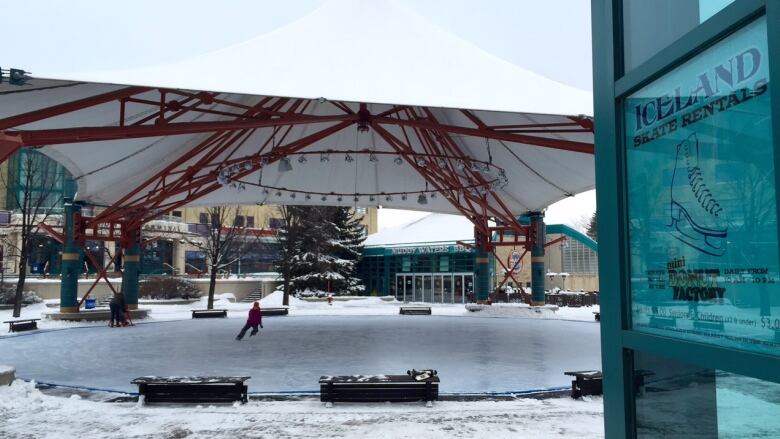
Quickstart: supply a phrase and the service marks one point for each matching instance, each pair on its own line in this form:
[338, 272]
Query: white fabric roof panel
[342, 52]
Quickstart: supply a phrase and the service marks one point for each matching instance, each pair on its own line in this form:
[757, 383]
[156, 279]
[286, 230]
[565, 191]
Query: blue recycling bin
[89, 303]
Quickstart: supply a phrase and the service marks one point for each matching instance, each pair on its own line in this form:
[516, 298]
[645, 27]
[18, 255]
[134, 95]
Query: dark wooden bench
[415, 310]
[22, 325]
[597, 315]
[153, 389]
[275, 311]
[586, 382]
[208, 313]
[378, 388]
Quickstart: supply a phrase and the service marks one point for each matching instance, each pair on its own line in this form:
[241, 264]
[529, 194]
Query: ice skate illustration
[697, 217]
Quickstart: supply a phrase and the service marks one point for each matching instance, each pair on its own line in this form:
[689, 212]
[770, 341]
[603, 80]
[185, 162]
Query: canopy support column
[131, 264]
[481, 264]
[537, 258]
[71, 259]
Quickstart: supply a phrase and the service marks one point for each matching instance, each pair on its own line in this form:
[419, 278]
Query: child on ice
[255, 318]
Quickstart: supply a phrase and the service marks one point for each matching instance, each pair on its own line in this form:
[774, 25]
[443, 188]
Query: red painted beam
[56, 110]
[565, 145]
[96, 134]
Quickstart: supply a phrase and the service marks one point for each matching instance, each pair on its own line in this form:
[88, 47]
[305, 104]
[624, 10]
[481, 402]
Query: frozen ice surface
[471, 354]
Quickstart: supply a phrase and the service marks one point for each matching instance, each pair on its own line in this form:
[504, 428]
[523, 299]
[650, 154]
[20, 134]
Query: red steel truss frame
[184, 184]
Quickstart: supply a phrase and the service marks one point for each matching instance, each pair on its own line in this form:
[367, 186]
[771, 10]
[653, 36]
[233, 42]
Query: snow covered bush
[8, 294]
[168, 287]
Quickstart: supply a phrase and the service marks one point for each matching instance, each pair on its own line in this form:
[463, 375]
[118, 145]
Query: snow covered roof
[435, 227]
[345, 53]
[377, 51]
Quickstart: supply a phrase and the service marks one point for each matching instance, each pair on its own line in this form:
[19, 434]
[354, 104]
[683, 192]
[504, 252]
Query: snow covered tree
[288, 240]
[320, 248]
[348, 249]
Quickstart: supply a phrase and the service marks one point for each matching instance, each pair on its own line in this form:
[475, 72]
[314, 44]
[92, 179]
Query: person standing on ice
[117, 307]
[255, 318]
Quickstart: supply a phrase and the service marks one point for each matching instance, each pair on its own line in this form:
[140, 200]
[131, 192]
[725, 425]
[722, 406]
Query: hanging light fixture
[372, 157]
[403, 197]
[422, 199]
[442, 163]
[308, 196]
[285, 165]
[301, 158]
[421, 162]
[460, 165]
[348, 158]
[398, 160]
[389, 198]
[324, 157]
[340, 198]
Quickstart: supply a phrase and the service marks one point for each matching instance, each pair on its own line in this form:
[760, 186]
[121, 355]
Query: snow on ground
[25, 412]
[298, 307]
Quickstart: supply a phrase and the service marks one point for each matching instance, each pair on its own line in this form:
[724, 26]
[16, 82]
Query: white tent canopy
[342, 54]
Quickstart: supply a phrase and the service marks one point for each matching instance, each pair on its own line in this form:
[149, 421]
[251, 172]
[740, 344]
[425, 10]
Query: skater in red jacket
[255, 318]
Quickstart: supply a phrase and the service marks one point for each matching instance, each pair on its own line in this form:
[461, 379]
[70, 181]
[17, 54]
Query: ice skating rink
[472, 355]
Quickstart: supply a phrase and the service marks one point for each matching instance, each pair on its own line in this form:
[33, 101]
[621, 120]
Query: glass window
[239, 221]
[203, 218]
[649, 26]
[275, 223]
[250, 221]
[444, 263]
[703, 241]
[675, 399]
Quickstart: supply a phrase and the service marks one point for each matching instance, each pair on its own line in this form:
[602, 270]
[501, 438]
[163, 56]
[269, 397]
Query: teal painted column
[386, 276]
[537, 258]
[131, 266]
[482, 275]
[71, 260]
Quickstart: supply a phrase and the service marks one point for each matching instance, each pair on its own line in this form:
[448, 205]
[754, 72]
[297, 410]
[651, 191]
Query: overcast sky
[550, 37]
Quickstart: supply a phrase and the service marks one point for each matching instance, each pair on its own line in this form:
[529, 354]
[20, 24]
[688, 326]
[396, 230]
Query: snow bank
[26, 411]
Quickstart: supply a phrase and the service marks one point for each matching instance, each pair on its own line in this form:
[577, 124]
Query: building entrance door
[399, 287]
[418, 288]
[447, 296]
[438, 288]
[427, 288]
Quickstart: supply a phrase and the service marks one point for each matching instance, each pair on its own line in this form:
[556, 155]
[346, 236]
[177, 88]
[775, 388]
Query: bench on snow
[22, 325]
[191, 389]
[208, 313]
[378, 388]
[415, 310]
[586, 382]
[274, 311]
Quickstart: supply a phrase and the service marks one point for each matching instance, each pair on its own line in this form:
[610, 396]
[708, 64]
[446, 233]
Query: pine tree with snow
[347, 248]
[320, 251]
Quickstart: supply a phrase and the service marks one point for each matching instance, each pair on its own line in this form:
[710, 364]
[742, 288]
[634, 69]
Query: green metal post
[131, 266]
[71, 260]
[537, 258]
[481, 275]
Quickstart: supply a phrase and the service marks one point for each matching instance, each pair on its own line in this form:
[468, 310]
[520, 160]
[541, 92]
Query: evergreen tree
[593, 228]
[320, 248]
[347, 247]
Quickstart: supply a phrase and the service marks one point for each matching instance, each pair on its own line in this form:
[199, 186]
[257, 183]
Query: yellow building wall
[263, 215]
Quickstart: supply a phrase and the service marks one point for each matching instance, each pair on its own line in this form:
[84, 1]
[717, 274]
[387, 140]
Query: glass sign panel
[701, 199]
